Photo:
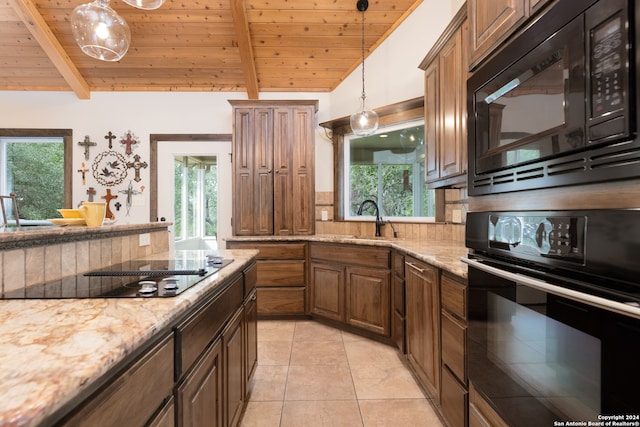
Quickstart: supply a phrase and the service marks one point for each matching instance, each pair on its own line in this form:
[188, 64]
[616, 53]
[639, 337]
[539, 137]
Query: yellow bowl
[70, 213]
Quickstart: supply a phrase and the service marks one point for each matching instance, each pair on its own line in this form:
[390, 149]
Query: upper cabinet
[492, 22]
[273, 167]
[445, 105]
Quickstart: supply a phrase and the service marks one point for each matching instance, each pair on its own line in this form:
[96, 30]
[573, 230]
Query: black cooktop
[131, 279]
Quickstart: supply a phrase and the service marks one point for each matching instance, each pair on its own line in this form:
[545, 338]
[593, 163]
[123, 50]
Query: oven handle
[627, 309]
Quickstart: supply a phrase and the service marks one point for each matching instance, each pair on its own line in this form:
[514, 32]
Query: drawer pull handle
[412, 265]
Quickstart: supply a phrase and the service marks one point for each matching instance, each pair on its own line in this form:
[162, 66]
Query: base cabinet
[423, 323]
[199, 397]
[351, 284]
[281, 276]
[234, 379]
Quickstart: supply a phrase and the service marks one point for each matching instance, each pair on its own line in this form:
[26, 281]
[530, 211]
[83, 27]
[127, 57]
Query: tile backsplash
[455, 200]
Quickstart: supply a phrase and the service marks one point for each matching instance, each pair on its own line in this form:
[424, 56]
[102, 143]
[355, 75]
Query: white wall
[391, 72]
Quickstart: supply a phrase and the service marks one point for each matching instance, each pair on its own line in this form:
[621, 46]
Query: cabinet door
[491, 23]
[368, 296]
[283, 180]
[234, 379]
[253, 171]
[250, 338]
[423, 323]
[431, 121]
[200, 395]
[327, 291]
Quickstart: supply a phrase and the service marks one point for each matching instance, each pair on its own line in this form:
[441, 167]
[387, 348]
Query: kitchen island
[56, 352]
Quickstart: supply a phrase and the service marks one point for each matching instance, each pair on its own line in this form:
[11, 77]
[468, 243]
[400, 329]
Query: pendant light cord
[363, 92]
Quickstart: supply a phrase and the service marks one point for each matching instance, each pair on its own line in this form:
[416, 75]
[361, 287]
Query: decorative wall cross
[130, 192]
[137, 165]
[108, 197]
[110, 137]
[129, 139]
[91, 192]
[83, 171]
[118, 206]
[86, 144]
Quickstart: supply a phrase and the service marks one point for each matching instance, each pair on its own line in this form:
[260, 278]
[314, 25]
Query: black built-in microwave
[557, 106]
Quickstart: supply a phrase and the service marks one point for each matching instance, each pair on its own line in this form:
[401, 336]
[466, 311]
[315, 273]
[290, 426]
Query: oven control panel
[546, 236]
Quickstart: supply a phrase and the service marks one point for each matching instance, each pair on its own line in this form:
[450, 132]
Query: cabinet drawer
[454, 296]
[273, 250]
[280, 301]
[453, 345]
[453, 400]
[280, 273]
[134, 396]
[250, 279]
[196, 332]
[397, 261]
[352, 255]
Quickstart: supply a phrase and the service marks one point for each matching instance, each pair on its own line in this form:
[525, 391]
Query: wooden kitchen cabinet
[233, 373]
[423, 323]
[200, 396]
[250, 338]
[445, 106]
[134, 395]
[492, 22]
[273, 167]
[453, 321]
[398, 301]
[351, 284]
[281, 276]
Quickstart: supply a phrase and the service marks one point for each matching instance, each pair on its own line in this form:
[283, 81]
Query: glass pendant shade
[145, 4]
[364, 122]
[99, 31]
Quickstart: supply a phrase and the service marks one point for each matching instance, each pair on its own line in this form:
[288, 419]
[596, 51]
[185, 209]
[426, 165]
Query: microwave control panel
[608, 63]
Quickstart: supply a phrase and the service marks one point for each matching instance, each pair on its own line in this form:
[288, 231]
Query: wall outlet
[325, 215]
[144, 239]
[456, 216]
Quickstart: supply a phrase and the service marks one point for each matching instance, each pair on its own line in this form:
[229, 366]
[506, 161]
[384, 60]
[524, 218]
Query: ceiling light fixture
[363, 122]
[99, 31]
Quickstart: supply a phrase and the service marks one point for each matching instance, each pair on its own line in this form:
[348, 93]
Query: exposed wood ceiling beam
[246, 49]
[51, 46]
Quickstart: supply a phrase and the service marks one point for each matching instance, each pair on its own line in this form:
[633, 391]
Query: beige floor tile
[268, 383]
[276, 330]
[378, 382]
[328, 413]
[319, 382]
[308, 330]
[262, 414]
[371, 353]
[274, 352]
[398, 412]
[318, 353]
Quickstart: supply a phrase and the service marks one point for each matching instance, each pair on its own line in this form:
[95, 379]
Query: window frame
[67, 137]
[337, 129]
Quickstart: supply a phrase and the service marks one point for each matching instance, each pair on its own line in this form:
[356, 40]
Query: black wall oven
[554, 315]
[558, 105]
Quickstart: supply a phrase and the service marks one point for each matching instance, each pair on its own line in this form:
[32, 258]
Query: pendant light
[145, 4]
[99, 31]
[363, 122]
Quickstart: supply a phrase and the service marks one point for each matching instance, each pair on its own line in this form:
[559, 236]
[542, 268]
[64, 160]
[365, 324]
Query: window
[196, 197]
[33, 167]
[388, 168]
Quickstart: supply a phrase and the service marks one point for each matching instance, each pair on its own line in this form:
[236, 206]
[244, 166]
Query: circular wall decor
[109, 168]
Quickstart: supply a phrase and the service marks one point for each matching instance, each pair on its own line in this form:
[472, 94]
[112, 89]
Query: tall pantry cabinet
[273, 167]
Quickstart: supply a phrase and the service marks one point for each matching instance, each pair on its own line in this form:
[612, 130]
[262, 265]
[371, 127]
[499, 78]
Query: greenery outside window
[388, 168]
[32, 165]
[196, 197]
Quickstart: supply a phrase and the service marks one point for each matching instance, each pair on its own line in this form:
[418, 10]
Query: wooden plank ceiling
[197, 45]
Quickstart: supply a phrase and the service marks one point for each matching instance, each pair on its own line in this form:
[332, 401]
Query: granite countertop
[441, 254]
[52, 350]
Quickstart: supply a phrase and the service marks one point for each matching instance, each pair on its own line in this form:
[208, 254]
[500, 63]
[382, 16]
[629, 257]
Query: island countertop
[51, 351]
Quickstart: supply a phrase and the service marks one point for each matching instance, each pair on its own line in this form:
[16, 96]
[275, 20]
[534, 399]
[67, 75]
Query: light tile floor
[310, 374]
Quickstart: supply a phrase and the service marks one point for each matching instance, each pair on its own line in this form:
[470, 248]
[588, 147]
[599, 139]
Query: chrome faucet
[378, 219]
